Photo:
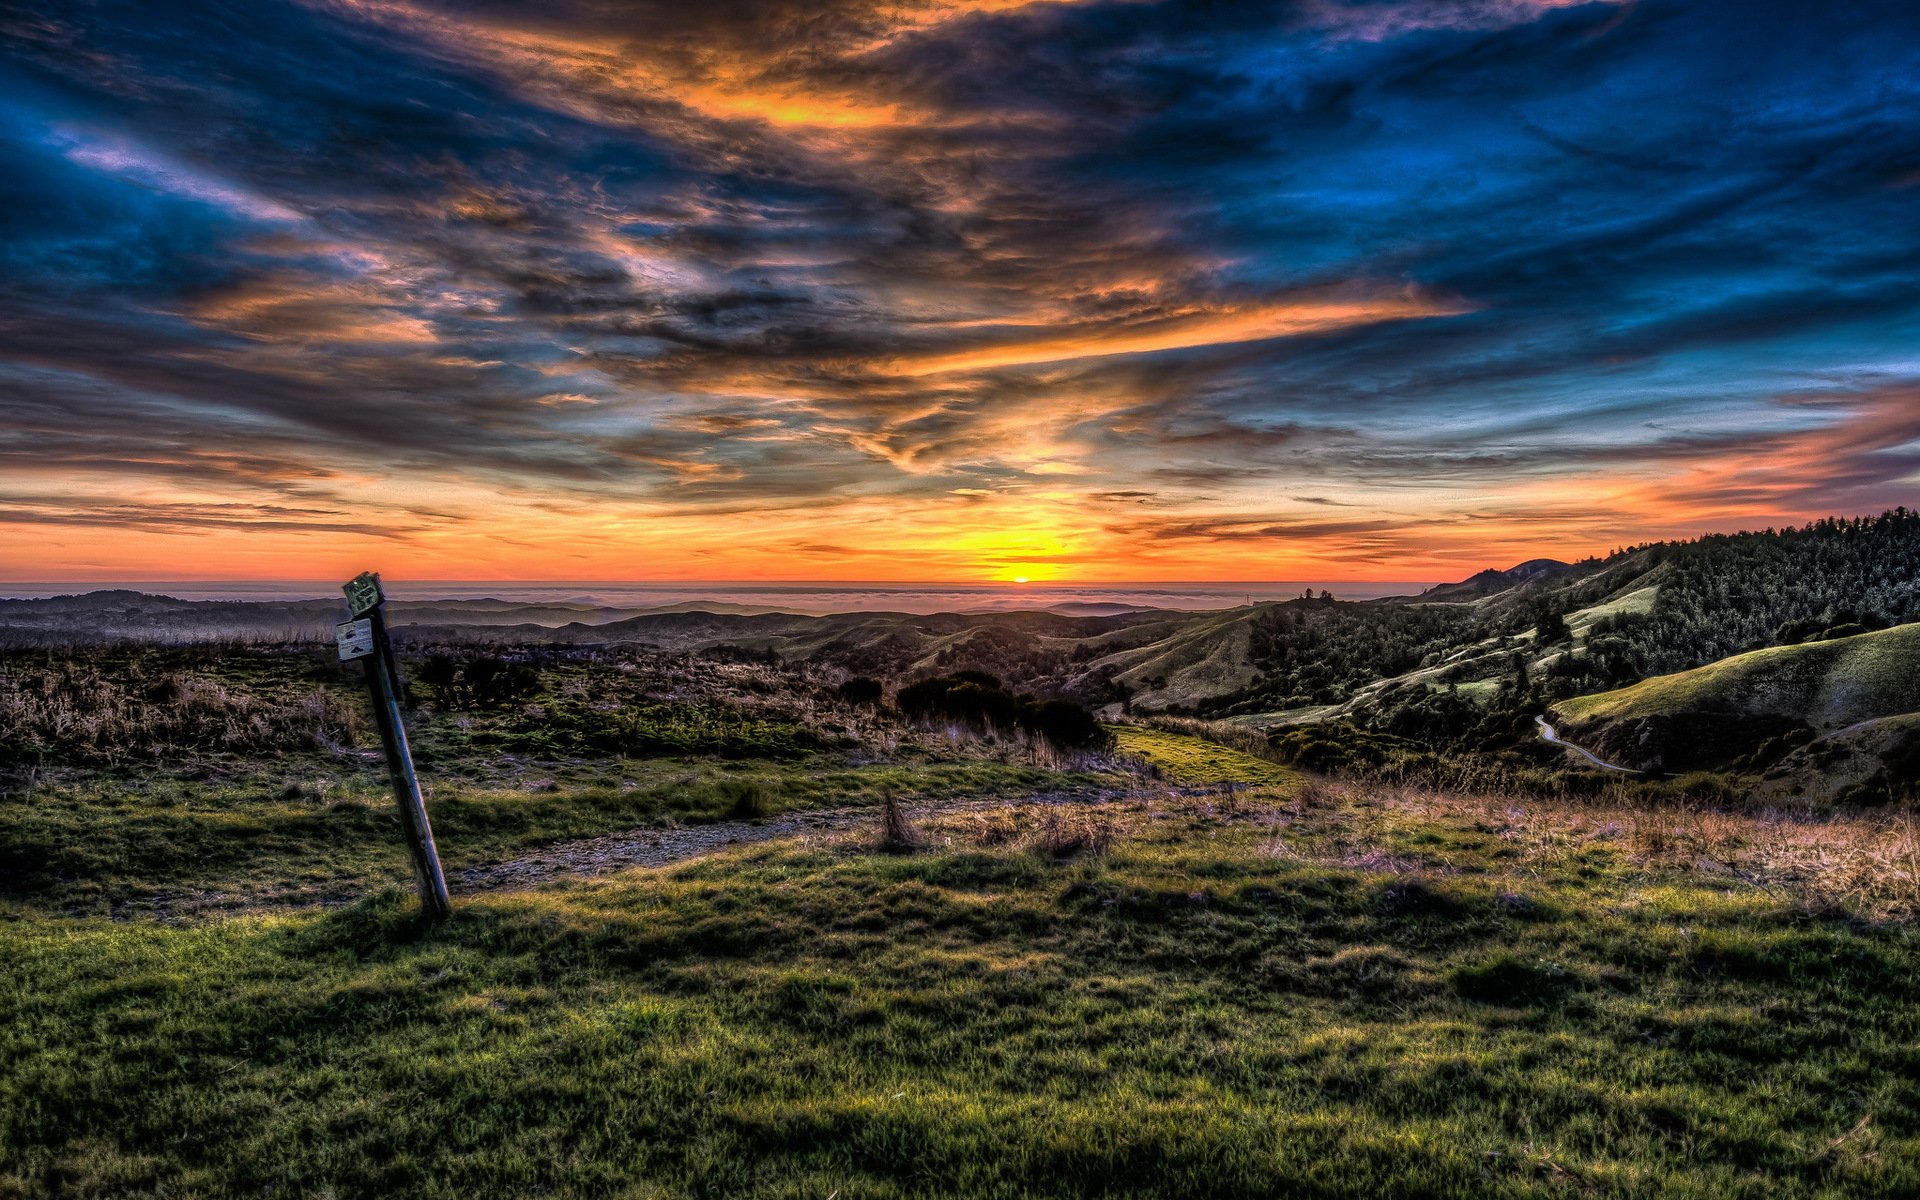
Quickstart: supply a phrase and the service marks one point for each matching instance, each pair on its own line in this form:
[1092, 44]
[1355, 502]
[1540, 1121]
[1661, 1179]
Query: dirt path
[647, 846]
[1550, 734]
[654, 846]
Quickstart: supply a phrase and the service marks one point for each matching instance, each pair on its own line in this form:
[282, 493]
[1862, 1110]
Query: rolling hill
[1761, 708]
[1656, 639]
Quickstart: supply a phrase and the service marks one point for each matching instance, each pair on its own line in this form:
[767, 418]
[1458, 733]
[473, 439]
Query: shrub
[492, 682]
[440, 674]
[860, 692]
[1064, 725]
[976, 700]
[961, 697]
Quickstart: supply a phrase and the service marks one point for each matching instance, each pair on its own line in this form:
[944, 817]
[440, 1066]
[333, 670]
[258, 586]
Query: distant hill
[1461, 665]
[1190, 662]
[1491, 582]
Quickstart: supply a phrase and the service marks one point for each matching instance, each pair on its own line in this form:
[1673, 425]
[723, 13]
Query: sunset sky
[945, 291]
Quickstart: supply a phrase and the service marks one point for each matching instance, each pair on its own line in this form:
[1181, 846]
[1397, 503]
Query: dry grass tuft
[897, 834]
[84, 712]
[999, 827]
[1867, 863]
[1071, 832]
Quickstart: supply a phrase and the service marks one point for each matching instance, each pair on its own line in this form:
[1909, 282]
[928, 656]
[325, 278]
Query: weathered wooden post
[364, 636]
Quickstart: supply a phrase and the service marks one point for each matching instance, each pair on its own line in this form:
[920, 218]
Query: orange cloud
[716, 80]
[302, 310]
[1211, 327]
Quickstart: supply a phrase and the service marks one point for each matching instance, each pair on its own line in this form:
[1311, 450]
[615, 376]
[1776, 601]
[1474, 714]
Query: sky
[933, 290]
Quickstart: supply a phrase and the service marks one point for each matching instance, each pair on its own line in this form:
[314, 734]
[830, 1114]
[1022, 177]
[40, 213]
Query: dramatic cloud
[938, 289]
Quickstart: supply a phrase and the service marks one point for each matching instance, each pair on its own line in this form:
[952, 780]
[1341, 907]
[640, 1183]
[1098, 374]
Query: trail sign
[365, 638]
[363, 594]
[355, 639]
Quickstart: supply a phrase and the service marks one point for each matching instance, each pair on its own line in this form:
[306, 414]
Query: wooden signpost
[364, 637]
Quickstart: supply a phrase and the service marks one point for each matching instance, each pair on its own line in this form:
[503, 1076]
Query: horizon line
[716, 580]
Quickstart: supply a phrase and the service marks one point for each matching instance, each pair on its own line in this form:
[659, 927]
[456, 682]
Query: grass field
[101, 845]
[1193, 761]
[1295, 990]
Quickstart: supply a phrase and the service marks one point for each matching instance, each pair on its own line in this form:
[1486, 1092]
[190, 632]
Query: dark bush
[975, 699]
[1064, 725]
[440, 675]
[495, 682]
[982, 678]
[962, 698]
[860, 691]
[923, 699]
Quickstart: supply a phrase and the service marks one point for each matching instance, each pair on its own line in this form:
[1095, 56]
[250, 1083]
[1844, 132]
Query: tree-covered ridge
[1559, 635]
[1729, 593]
[1315, 652]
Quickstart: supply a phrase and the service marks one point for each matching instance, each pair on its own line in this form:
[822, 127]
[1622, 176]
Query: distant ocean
[797, 597]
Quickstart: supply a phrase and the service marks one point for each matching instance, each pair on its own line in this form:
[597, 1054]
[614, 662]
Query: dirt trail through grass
[1202, 766]
[660, 847]
[1189, 768]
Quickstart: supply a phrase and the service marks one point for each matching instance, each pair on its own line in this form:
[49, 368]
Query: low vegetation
[174, 779]
[1316, 990]
[168, 845]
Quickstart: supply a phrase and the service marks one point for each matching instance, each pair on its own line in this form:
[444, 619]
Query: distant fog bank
[799, 597]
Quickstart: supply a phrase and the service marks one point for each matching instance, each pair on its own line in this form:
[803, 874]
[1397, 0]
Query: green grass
[102, 844]
[1314, 994]
[1638, 602]
[1195, 761]
[1191, 1015]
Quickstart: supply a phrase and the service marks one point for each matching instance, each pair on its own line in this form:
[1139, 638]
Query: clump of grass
[1366, 973]
[997, 828]
[746, 799]
[1072, 832]
[1511, 981]
[897, 833]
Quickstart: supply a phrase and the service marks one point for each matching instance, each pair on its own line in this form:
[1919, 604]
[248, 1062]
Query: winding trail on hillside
[1547, 732]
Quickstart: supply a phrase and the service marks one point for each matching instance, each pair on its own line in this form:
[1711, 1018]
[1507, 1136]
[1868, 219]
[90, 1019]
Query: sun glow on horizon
[940, 290]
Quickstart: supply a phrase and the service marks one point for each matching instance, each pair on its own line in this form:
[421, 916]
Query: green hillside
[1201, 659]
[1827, 684]
[1752, 707]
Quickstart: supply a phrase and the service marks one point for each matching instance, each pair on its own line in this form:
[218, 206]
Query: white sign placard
[355, 639]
